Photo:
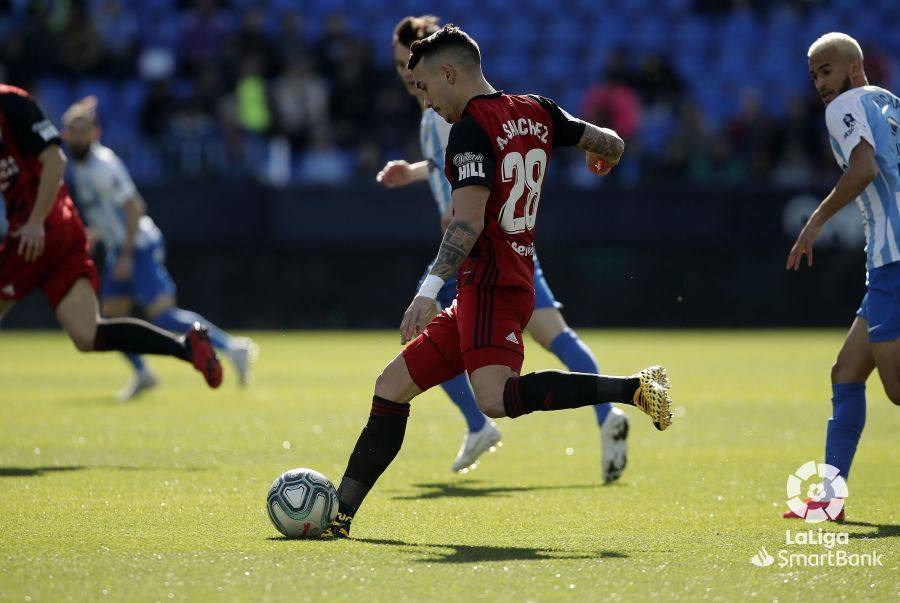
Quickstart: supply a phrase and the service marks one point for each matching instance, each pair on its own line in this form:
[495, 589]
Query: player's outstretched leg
[648, 390]
[142, 379]
[549, 328]
[378, 444]
[242, 351]
[79, 315]
[482, 434]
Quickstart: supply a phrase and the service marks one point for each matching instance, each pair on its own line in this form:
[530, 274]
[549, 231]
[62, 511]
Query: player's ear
[856, 68]
[449, 73]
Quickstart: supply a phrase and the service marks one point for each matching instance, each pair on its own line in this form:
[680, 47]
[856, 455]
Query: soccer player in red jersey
[497, 157]
[46, 246]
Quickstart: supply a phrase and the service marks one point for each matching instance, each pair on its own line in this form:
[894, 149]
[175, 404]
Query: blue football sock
[578, 358]
[180, 321]
[460, 391]
[136, 361]
[848, 416]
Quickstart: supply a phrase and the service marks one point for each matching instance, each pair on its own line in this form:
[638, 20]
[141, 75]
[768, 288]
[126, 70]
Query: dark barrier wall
[252, 257]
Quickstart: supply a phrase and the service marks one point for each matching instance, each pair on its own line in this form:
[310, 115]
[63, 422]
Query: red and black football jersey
[24, 133]
[504, 142]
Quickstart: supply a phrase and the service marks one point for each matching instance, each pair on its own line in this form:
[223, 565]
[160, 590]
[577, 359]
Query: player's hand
[804, 245]
[31, 241]
[599, 164]
[395, 173]
[418, 314]
[124, 267]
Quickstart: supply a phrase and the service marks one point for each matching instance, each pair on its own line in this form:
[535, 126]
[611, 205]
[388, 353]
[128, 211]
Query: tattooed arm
[465, 227]
[603, 148]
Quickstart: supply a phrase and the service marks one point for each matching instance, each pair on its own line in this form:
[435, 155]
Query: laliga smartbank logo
[816, 492]
[762, 558]
[824, 494]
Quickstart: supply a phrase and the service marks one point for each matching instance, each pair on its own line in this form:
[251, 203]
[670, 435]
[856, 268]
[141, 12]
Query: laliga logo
[762, 558]
[824, 484]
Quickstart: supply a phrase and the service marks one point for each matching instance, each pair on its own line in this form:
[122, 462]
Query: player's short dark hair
[412, 29]
[447, 37]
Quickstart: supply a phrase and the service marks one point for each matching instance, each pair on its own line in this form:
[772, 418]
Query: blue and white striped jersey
[433, 135]
[103, 185]
[872, 114]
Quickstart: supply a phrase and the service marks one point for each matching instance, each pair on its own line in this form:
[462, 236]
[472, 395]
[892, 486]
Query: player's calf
[558, 390]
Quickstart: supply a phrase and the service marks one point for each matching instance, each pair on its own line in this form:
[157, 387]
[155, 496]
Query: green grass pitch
[163, 498]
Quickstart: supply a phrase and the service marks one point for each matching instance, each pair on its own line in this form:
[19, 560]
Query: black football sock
[556, 390]
[138, 337]
[377, 446]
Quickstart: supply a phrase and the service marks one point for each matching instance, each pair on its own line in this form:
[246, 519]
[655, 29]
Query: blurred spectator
[301, 102]
[18, 65]
[613, 102]
[689, 143]
[204, 34]
[337, 44]
[291, 38]
[351, 99]
[252, 98]
[252, 40]
[80, 48]
[157, 110]
[118, 29]
[878, 64]
[657, 82]
[717, 165]
[751, 134]
[802, 127]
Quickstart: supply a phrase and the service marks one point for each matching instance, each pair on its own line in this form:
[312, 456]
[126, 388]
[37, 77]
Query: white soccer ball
[301, 503]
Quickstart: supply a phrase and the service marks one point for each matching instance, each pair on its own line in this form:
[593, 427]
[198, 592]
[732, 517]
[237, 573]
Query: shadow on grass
[465, 553]
[473, 489]
[882, 530]
[37, 471]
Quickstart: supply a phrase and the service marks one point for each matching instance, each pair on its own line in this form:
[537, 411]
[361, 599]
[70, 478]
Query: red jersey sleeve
[30, 127]
[470, 155]
[567, 130]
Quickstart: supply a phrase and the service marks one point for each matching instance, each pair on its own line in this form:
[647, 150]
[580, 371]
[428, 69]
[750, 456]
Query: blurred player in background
[46, 246]
[135, 249]
[547, 325]
[864, 126]
[496, 159]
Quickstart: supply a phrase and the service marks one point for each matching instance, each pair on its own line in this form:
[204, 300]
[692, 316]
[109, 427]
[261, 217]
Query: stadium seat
[53, 95]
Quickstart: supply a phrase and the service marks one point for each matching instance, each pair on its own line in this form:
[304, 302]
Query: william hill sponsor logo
[470, 165]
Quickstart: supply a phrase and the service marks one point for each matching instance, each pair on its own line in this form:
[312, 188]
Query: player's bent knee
[395, 384]
[492, 407]
[489, 400]
[844, 372]
[83, 339]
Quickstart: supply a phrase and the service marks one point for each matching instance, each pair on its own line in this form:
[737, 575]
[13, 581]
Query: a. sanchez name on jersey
[103, 186]
[503, 142]
[434, 133]
[872, 114]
